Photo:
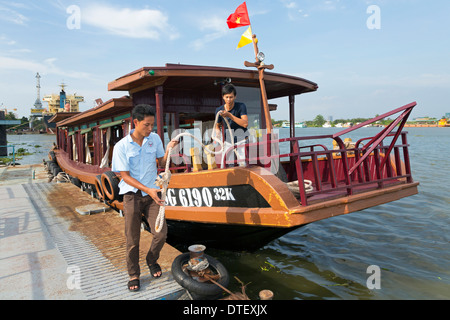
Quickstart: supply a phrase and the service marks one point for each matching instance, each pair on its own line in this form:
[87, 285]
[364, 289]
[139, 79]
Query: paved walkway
[31, 266]
[50, 251]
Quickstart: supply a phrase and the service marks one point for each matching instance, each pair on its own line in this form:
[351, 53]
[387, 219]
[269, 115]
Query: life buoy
[99, 187]
[200, 290]
[110, 185]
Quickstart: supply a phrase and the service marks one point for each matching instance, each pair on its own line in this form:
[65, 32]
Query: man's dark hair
[141, 111]
[228, 88]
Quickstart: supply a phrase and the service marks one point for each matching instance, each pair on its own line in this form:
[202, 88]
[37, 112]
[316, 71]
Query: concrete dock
[49, 251]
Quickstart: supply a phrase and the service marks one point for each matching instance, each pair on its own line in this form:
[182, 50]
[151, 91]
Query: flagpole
[234, 21]
[261, 67]
[255, 44]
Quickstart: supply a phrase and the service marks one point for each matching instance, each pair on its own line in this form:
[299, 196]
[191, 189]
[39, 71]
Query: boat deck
[47, 245]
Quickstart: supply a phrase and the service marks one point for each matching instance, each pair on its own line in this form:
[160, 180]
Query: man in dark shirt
[236, 114]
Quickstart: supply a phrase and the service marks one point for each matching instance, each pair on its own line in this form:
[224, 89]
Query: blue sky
[360, 71]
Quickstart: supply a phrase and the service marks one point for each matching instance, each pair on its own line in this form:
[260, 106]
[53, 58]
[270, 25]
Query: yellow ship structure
[58, 104]
[62, 102]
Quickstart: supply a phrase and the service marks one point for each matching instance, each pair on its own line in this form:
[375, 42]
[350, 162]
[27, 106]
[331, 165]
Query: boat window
[89, 145]
[252, 99]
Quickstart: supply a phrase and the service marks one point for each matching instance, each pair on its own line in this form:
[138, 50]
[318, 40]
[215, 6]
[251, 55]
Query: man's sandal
[134, 285]
[154, 269]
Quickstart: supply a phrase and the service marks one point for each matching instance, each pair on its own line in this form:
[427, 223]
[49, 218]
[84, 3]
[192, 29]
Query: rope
[62, 176]
[163, 179]
[308, 185]
[202, 265]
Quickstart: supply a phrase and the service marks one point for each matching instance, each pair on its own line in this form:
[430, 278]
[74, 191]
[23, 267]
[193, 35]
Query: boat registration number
[198, 197]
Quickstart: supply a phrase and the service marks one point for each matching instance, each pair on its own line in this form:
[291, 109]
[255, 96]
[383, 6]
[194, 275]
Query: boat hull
[221, 236]
[251, 196]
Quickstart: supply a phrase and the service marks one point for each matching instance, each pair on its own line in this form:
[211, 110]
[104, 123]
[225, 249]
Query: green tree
[319, 121]
[10, 116]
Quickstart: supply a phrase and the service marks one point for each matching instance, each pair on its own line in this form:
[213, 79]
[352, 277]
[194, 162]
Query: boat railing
[376, 163]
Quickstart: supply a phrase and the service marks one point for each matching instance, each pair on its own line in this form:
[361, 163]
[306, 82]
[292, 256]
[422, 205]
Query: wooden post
[266, 295]
[261, 67]
[265, 102]
[3, 139]
[292, 116]
[159, 112]
[96, 132]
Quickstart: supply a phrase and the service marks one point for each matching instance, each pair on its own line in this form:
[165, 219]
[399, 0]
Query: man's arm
[242, 121]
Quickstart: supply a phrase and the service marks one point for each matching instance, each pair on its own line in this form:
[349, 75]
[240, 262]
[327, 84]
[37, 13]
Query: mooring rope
[163, 179]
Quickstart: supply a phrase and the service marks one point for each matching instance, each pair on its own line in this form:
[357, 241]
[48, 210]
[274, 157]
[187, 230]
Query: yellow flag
[246, 38]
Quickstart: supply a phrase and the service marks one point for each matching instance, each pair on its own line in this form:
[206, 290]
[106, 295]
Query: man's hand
[154, 194]
[226, 114]
[172, 144]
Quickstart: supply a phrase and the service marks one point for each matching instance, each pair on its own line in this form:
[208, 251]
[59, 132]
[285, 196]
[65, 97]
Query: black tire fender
[52, 156]
[56, 170]
[110, 185]
[99, 187]
[201, 289]
[75, 181]
[50, 167]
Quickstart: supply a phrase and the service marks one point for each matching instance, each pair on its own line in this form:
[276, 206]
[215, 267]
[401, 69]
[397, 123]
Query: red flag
[239, 18]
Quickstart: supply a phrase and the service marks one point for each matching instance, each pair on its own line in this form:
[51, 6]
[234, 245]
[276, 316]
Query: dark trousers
[134, 206]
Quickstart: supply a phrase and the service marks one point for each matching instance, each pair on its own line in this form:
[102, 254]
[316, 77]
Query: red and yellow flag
[239, 18]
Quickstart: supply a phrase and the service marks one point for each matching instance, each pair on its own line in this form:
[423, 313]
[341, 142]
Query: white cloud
[5, 40]
[290, 5]
[48, 66]
[13, 16]
[217, 28]
[131, 23]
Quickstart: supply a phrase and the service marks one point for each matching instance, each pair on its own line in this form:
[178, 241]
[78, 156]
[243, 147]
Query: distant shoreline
[424, 126]
[27, 133]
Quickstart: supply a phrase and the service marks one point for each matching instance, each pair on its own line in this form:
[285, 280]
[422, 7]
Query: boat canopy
[107, 110]
[204, 78]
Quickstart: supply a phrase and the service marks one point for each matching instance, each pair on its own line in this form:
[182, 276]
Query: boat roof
[61, 116]
[108, 109]
[194, 77]
[185, 78]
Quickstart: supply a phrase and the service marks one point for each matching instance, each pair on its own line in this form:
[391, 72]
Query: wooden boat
[234, 205]
[287, 124]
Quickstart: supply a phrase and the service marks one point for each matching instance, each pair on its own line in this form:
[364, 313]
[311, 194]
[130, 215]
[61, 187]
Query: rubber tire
[99, 187]
[199, 290]
[50, 167]
[76, 182]
[51, 156]
[110, 185]
[48, 163]
[56, 170]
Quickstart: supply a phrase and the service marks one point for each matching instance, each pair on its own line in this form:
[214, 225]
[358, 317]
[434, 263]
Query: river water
[407, 240]
[37, 144]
